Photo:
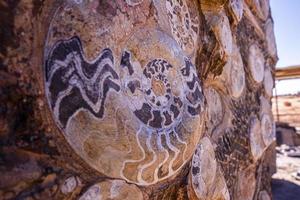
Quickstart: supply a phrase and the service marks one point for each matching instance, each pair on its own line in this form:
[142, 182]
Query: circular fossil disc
[263, 195]
[237, 73]
[256, 63]
[222, 31]
[236, 9]
[112, 189]
[132, 110]
[260, 7]
[70, 184]
[268, 82]
[134, 2]
[214, 107]
[270, 38]
[256, 141]
[268, 131]
[207, 181]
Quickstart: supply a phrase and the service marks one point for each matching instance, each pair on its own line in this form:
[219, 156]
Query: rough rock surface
[136, 99]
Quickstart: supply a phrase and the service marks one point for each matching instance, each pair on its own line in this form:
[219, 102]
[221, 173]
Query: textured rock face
[136, 99]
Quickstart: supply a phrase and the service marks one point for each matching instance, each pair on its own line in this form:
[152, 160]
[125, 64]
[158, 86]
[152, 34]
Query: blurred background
[286, 99]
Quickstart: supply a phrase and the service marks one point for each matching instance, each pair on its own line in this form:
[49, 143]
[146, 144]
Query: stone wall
[136, 99]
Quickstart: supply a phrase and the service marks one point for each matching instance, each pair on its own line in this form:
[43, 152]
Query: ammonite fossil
[184, 25]
[135, 116]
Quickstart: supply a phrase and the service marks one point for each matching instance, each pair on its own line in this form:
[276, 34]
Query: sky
[286, 16]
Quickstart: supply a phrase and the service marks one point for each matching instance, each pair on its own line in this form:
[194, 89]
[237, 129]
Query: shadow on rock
[285, 190]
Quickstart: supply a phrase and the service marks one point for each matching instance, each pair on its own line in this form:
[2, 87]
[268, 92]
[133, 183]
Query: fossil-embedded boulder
[136, 99]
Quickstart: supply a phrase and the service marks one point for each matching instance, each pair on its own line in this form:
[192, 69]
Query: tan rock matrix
[136, 99]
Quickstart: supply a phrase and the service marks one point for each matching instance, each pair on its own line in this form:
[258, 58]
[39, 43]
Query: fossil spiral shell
[184, 25]
[135, 116]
